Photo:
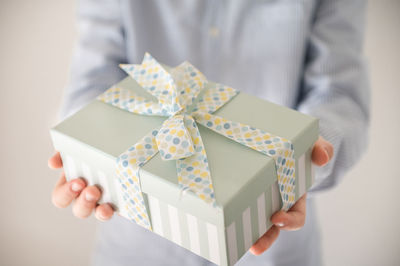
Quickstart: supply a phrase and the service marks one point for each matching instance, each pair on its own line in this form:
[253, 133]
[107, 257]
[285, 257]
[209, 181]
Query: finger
[86, 202]
[264, 242]
[55, 161]
[322, 152]
[292, 220]
[104, 212]
[65, 192]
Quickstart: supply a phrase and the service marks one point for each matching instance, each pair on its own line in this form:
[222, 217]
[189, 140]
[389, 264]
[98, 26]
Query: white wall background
[360, 219]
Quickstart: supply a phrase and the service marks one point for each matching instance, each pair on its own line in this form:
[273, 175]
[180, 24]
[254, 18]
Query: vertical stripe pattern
[190, 232]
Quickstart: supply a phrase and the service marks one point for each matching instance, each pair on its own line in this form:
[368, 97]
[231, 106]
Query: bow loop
[152, 76]
[173, 139]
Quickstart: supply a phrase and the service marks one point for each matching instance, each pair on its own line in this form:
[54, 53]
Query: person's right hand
[85, 197]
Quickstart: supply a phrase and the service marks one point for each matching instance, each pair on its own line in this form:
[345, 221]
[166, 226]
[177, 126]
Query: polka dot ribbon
[178, 138]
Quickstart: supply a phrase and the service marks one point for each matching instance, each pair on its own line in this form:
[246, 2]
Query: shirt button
[213, 32]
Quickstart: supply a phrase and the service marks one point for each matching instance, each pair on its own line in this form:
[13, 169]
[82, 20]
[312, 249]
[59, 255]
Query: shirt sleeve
[335, 86]
[99, 50]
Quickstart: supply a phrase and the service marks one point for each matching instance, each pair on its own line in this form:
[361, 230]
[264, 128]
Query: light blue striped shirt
[304, 54]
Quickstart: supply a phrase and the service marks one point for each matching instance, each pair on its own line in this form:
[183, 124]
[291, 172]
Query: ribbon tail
[280, 149]
[193, 172]
[128, 166]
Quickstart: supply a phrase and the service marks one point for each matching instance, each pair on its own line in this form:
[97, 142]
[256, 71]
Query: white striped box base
[222, 246]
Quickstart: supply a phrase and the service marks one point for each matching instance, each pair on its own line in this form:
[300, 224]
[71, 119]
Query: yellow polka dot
[196, 172]
[204, 174]
[217, 121]
[187, 90]
[139, 146]
[207, 116]
[258, 139]
[266, 137]
[196, 141]
[154, 82]
[180, 133]
[229, 132]
[247, 135]
[173, 131]
[286, 153]
[202, 196]
[270, 146]
[196, 163]
[172, 149]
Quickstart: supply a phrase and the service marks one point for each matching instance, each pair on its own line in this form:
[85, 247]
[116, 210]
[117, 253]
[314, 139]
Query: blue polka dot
[143, 71]
[152, 88]
[227, 126]
[267, 142]
[176, 140]
[125, 163]
[165, 92]
[272, 152]
[155, 76]
[167, 156]
[168, 138]
[147, 146]
[209, 124]
[198, 179]
[283, 161]
[184, 144]
[207, 190]
[193, 74]
[154, 133]
[116, 100]
[189, 168]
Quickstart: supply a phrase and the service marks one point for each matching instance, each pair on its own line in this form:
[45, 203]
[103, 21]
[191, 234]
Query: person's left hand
[293, 219]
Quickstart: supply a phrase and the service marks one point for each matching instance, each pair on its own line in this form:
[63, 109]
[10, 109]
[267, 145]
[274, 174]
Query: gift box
[194, 161]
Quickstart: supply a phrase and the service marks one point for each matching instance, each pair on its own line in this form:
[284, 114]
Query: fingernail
[89, 197]
[76, 187]
[101, 217]
[279, 224]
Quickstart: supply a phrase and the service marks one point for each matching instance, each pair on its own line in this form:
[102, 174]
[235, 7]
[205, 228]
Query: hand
[295, 218]
[85, 197]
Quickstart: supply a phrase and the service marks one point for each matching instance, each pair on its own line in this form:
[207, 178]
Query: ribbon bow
[179, 138]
